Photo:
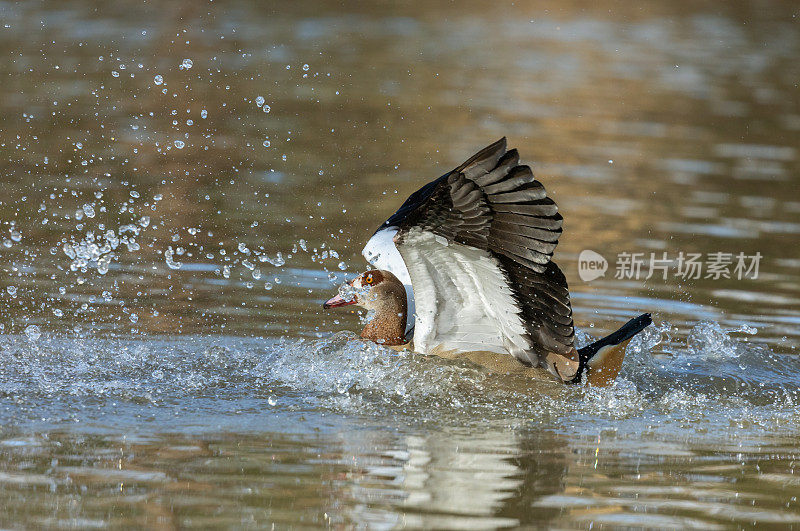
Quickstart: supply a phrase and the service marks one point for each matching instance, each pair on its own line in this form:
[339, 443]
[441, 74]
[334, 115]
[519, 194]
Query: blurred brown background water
[296, 128]
[656, 129]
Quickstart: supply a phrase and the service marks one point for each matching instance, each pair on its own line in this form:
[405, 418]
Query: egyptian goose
[465, 265]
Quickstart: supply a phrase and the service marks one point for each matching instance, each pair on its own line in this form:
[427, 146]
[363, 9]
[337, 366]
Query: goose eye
[368, 279]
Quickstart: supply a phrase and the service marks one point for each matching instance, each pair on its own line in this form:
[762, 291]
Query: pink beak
[337, 301]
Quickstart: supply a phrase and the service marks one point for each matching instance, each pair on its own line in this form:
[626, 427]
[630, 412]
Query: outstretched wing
[488, 223]
[490, 202]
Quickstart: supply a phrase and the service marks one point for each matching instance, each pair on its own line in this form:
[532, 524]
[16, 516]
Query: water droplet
[158, 79]
[102, 263]
[278, 261]
[260, 101]
[306, 67]
[107, 296]
[88, 210]
[16, 235]
[266, 108]
[204, 114]
[186, 64]
[69, 250]
[135, 194]
[342, 266]
[111, 238]
[266, 143]
[33, 332]
[115, 73]
[134, 318]
[171, 263]
[12, 290]
[179, 144]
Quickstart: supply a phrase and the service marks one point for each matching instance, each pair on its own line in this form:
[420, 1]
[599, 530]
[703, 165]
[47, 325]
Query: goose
[465, 265]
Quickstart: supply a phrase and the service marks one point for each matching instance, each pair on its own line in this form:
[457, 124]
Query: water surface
[184, 184]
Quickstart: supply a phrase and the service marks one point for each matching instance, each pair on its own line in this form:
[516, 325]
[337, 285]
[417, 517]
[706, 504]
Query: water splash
[62, 380]
[709, 340]
[349, 293]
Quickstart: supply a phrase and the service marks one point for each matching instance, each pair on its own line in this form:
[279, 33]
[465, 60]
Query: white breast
[463, 299]
[382, 253]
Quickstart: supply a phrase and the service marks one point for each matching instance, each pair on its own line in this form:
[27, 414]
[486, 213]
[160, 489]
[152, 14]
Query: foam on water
[714, 384]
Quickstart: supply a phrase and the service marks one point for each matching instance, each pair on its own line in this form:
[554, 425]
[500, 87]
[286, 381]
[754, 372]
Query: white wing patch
[382, 253]
[463, 299]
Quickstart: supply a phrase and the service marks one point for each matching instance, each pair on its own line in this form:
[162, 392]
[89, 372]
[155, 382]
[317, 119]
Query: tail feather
[602, 360]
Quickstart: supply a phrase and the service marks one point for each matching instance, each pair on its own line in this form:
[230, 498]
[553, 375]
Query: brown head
[384, 296]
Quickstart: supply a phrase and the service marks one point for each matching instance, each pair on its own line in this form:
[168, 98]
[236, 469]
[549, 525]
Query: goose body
[473, 251]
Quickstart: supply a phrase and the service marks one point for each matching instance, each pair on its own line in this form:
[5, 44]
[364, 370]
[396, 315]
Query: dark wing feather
[411, 205]
[463, 206]
[544, 299]
[492, 203]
